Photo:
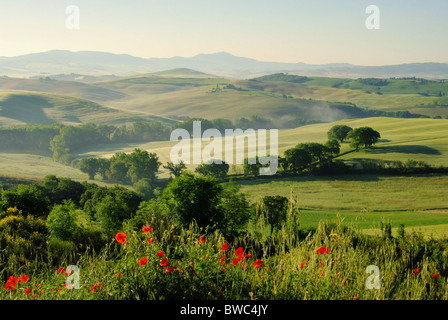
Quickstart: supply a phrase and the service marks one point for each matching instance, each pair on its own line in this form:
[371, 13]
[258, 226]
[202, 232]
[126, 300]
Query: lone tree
[175, 169]
[275, 210]
[91, 166]
[364, 136]
[339, 132]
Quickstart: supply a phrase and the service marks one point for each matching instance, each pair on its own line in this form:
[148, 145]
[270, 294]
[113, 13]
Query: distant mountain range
[85, 65]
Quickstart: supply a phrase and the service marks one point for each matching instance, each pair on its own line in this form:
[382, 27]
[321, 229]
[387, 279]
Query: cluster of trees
[374, 82]
[399, 167]
[61, 141]
[252, 122]
[60, 216]
[138, 168]
[359, 137]
[310, 156]
[72, 138]
[313, 157]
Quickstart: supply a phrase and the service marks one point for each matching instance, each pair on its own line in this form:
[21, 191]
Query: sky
[311, 31]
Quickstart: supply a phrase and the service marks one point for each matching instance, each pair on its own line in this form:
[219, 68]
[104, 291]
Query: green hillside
[60, 87]
[18, 107]
[218, 98]
[420, 96]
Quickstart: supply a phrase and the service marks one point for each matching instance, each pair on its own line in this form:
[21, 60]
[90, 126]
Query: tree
[217, 170]
[61, 222]
[142, 165]
[111, 212]
[333, 147]
[297, 159]
[59, 189]
[175, 169]
[192, 197]
[28, 199]
[118, 168]
[144, 188]
[252, 169]
[91, 166]
[339, 132]
[364, 136]
[236, 211]
[275, 208]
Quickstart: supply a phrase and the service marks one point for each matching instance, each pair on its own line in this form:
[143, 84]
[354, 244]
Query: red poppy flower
[249, 255]
[235, 261]
[164, 262]
[416, 271]
[151, 240]
[201, 239]
[435, 276]
[258, 263]
[60, 270]
[323, 250]
[10, 285]
[93, 289]
[303, 264]
[24, 278]
[143, 261]
[13, 279]
[28, 290]
[169, 269]
[224, 247]
[160, 253]
[146, 229]
[239, 251]
[120, 237]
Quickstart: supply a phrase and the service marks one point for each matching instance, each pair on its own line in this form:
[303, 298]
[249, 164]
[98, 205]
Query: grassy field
[401, 139]
[357, 193]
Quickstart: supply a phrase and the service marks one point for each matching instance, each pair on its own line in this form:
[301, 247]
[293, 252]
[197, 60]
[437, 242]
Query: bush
[61, 221]
[27, 198]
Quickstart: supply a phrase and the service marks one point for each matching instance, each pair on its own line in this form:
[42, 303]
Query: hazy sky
[312, 31]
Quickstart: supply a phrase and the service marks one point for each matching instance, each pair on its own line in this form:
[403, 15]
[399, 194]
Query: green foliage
[111, 212]
[214, 168]
[274, 209]
[108, 201]
[59, 189]
[195, 198]
[91, 166]
[236, 211]
[142, 165]
[22, 238]
[364, 136]
[339, 132]
[175, 169]
[27, 198]
[297, 159]
[61, 222]
[144, 188]
[252, 167]
[310, 156]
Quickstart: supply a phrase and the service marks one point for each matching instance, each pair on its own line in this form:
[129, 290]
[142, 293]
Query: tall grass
[293, 266]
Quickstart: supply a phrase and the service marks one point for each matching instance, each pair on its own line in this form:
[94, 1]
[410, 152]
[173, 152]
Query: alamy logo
[234, 153]
[73, 21]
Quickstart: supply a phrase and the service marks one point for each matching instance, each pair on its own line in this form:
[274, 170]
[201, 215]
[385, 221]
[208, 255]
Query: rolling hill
[220, 63]
[18, 107]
